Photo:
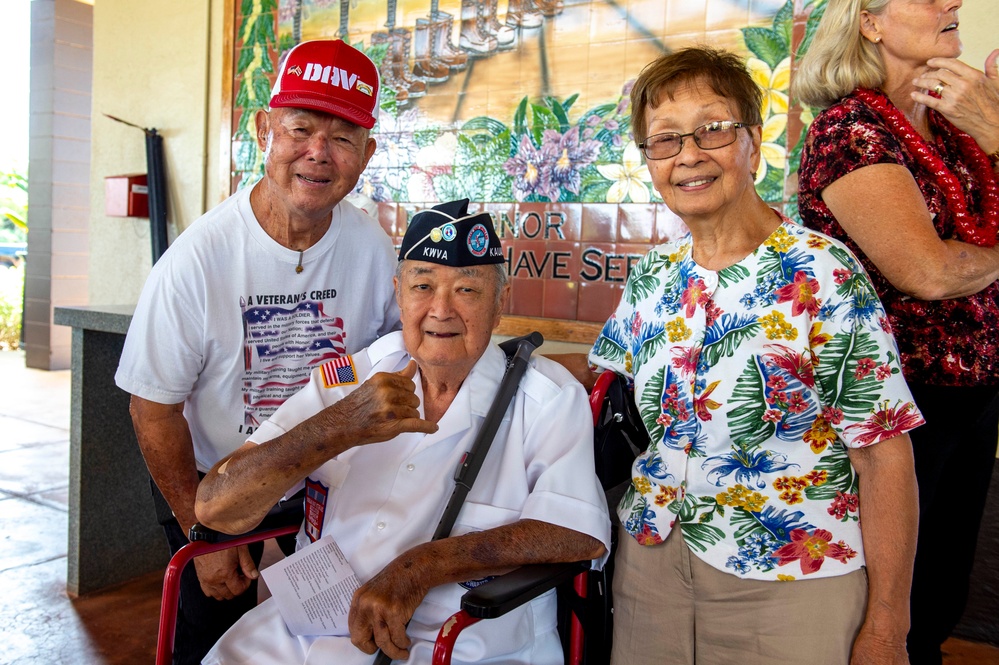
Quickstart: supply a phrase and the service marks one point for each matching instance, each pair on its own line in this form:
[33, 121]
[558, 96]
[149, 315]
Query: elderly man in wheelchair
[376, 437]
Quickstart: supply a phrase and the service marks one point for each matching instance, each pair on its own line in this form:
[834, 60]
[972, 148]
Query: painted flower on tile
[530, 170]
[774, 155]
[629, 177]
[773, 82]
[570, 155]
[371, 185]
[770, 68]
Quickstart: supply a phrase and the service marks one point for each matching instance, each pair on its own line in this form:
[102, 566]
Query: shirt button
[410, 467]
[380, 525]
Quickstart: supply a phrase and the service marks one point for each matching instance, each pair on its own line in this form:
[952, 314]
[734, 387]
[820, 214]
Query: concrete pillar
[58, 175]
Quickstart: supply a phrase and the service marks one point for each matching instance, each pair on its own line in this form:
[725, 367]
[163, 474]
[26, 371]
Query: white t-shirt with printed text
[226, 324]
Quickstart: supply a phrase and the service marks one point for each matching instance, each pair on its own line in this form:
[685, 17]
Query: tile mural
[522, 106]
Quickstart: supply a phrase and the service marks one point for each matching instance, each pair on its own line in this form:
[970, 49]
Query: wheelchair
[584, 599]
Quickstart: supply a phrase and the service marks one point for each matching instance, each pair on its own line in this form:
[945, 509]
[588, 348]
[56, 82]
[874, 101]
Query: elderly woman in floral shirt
[768, 379]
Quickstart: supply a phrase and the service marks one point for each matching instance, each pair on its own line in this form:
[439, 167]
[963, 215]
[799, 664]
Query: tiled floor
[38, 622]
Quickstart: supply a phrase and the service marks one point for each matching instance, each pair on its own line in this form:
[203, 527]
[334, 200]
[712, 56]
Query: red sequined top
[944, 342]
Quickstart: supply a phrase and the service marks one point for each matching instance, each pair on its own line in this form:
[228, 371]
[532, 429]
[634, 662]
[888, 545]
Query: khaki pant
[671, 608]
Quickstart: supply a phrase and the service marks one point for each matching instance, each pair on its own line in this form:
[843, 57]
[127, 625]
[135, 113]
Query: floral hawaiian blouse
[942, 342]
[752, 381]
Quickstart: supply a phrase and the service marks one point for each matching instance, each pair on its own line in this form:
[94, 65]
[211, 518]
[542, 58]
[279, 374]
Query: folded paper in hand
[313, 589]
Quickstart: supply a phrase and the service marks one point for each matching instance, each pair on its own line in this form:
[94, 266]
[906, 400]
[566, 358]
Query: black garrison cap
[448, 235]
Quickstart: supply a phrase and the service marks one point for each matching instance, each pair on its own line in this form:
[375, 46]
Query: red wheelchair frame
[171, 581]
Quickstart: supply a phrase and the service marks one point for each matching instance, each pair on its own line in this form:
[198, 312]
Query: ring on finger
[938, 89]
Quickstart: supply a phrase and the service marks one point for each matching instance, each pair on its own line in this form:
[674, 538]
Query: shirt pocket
[482, 516]
[322, 490]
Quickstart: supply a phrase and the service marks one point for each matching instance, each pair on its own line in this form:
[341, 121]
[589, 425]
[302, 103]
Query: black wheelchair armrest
[498, 596]
[285, 513]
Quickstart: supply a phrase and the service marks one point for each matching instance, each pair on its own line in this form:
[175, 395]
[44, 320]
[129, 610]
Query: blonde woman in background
[901, 165]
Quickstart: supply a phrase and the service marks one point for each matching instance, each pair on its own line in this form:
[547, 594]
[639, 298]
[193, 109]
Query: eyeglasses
[713, 135]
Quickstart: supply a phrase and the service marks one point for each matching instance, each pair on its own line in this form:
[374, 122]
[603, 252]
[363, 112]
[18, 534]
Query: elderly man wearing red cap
[375, 439]
[269, 284]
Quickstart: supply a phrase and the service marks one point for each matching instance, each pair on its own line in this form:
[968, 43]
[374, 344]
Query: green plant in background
[13, 230]
[13, 207]
[482, 146]
[11, 295]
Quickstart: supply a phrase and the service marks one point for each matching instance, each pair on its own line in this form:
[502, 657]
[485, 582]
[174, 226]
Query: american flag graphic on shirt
[338, 372]
[282, 345]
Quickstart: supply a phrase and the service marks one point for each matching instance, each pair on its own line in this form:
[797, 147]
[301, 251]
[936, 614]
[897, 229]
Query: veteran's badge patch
[471, 584]
[316, 495]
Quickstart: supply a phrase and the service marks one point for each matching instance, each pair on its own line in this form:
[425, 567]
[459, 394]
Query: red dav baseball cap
[329, 76]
